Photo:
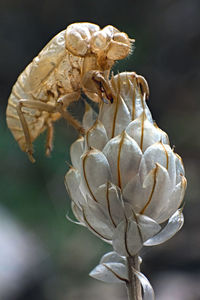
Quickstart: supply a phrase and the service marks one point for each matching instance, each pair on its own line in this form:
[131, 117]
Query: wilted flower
[125, 180]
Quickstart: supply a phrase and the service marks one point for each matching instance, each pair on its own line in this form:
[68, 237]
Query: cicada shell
[78, 58]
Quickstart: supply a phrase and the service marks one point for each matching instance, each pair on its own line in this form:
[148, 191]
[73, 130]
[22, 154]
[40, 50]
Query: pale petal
[141, 106]
[109, 198]
[135, 194]
[95, 170]
[126, 85]
[171, 164]
[174, 201]
[76, 150]
[162, 154]
[179, 168]
[152, 198]
[128, 211]
[115, 117]
[72, 184]
[77, 211]
[148, 227]
[89, 117]
[97, 221]
[142, 169]
[96, 136]
[127, 240]
[143, 132]
[113, 257]
[164, 139]
[159, 186]
[124, 157]
[148, 293]
[174, 224]
[110, 272]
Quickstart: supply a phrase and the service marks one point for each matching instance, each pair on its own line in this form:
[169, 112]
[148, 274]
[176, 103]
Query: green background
[167, 54]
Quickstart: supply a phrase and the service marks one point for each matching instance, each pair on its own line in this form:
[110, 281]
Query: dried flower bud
[126, 180]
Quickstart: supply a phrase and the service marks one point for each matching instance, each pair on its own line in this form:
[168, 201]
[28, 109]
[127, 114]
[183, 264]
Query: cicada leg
[67, 116]
[65, 102]
[103, 85]
[95, 85]
[49, 140]
[62, 104]
[29, 147]
[36, 104]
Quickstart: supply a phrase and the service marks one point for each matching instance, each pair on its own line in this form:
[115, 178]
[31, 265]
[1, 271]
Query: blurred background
[42, 255]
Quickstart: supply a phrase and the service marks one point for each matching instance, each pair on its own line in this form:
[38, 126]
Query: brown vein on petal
[142, 131]
[84, 174]
[133, 104]
[166, 154]
[184, 186]
[118, 83]
[108, 205]
[126, 238]
[118, 159]
[68, 189]
[184, 182]
[116, 108]
[130, 83]
[179, 158]
[119, 277]
[91, 227]
[138, 226]
[67, 186]
[90, 131]
[144, 88]
[153, 189]
[161, 132]
[87, 140]
[140, 91]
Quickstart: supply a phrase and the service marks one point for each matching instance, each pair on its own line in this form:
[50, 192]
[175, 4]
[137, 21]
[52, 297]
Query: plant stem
[133, 285]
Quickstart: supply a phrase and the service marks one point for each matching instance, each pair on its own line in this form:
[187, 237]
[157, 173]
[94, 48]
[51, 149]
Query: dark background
[167, 54]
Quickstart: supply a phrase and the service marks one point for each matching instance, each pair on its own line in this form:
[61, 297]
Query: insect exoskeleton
[78, 58]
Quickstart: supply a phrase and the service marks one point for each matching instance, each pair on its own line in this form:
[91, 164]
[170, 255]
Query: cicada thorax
[67, 75]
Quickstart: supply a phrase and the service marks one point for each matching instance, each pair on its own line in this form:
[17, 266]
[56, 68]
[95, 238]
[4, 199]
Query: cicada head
[110, 44]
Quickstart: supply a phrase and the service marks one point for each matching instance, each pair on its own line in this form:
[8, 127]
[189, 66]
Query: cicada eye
[99, 41]
[121, 38]
[77, 39]
[120, 46]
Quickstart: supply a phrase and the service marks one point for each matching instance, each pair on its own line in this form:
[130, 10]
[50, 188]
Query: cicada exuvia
[77, 59]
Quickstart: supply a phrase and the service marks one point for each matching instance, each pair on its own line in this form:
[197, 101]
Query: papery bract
[125, 180]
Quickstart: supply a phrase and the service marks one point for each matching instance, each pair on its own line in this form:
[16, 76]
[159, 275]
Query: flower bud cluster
[125, 180]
